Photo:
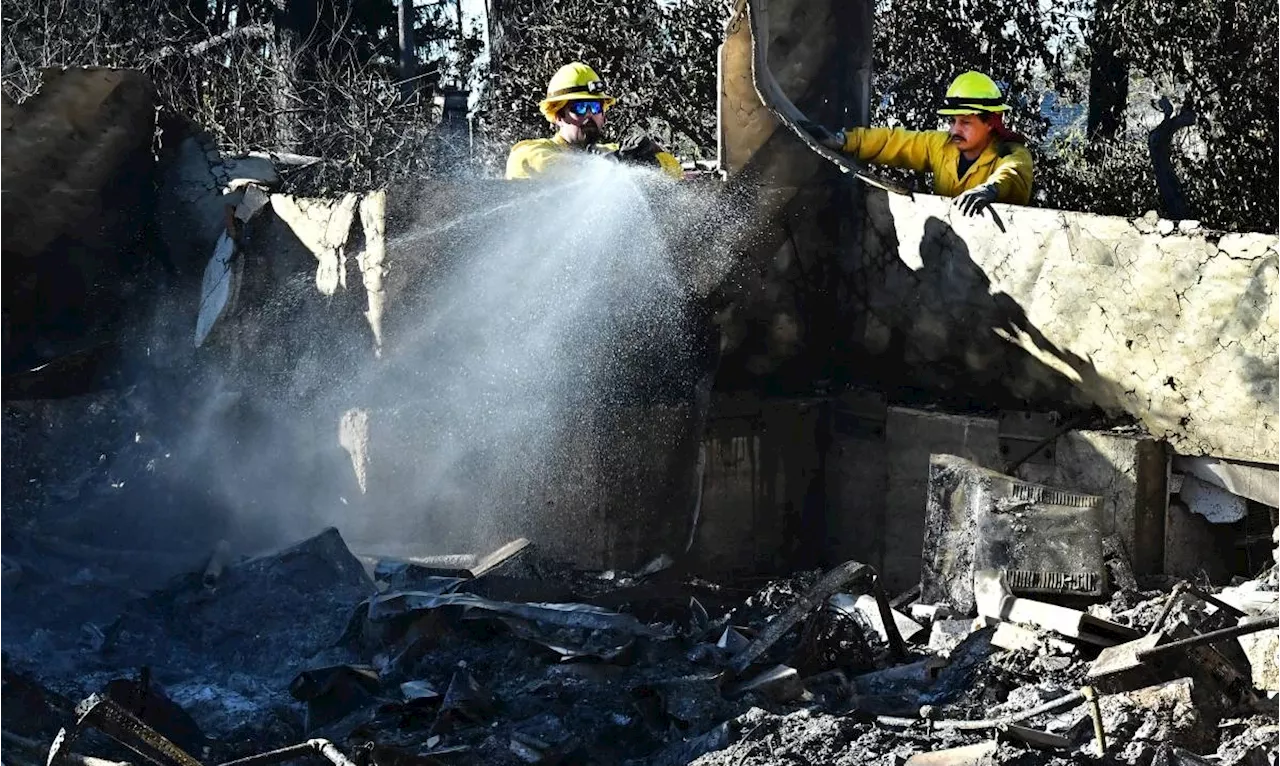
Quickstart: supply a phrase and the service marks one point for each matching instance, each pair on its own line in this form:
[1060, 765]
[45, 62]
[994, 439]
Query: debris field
[512, 659]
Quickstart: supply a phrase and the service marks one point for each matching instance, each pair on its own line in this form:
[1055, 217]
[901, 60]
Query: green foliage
[658, 58]
[332, 92]
[1220, 53]
[1223, 55]
[922, 44]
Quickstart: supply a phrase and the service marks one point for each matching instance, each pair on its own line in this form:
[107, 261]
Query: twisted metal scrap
[107, 716]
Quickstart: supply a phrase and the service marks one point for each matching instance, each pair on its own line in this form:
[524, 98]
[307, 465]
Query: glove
[833, 141]
[639, 149]
[977, 199]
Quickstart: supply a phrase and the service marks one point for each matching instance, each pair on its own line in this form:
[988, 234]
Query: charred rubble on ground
[515, 659]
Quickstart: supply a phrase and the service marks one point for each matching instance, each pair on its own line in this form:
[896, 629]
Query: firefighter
[577, 104]
[977, 159]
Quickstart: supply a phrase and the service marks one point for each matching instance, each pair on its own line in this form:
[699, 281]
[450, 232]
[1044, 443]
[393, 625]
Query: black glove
[822, 135]
[639, 149]
[977, 199]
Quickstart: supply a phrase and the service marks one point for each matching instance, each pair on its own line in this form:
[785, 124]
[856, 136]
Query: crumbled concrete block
[1016, 638]
[946, 635]
[928, 613]
[967, 755]
[1155, 714]
[1214, 503]
[1263, 651]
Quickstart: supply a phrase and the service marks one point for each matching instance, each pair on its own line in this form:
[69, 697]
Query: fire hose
[782, 108]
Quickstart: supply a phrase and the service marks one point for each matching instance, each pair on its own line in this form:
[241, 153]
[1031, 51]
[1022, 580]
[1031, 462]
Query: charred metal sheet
[1043, 541]
[334, 692]
[569, 644]
[464, 566]
[390, 605]
[466, 699]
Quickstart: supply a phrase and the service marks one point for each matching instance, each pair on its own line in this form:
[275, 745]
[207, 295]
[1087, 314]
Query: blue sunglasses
[586, 107]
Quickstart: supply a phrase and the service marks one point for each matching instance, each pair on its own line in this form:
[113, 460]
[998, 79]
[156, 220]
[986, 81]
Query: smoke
[518, 327]
[560, 306]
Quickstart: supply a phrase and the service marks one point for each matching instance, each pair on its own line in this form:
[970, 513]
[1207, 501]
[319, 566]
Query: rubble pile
[512, 659]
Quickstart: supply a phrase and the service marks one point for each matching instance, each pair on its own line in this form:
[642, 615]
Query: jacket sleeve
[898, 147]
[1012, 174]
[670, 165]
[529, 159]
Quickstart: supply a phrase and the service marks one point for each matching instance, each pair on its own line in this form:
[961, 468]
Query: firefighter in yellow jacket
[977, 160]
[576, 104]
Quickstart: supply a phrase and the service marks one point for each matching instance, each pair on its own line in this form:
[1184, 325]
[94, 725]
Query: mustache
[954, 137]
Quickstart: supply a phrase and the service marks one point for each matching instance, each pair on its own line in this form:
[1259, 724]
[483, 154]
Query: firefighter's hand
[639, 149]
[833, 141]
[977, 199]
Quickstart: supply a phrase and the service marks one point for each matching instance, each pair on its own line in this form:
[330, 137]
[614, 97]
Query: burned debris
[395, 660]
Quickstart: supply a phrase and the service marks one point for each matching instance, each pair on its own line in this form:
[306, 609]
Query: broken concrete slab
[994, 601]
[1250, 480]
[1016, 638]
[1263, 652]
[1139, 720]
[946, 635]
[1216, 504]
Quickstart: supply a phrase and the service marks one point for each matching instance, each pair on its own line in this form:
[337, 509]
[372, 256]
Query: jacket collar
[987, 157]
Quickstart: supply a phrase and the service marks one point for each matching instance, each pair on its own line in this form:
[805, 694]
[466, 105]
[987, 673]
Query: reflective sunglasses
[586, 107]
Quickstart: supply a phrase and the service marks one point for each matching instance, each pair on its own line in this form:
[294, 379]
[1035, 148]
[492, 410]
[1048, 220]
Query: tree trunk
[1160, 144]
[408, 51]
[295, 25]
[1108, 76]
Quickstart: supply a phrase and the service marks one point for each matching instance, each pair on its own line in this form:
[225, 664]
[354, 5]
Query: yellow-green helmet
[574, 81]
[973, 93]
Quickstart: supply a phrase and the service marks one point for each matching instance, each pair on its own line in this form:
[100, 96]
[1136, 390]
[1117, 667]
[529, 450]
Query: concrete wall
[1171, 324]
[812, 482]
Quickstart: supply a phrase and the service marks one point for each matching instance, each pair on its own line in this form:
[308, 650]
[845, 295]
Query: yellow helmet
[973, 93]
[573, 82]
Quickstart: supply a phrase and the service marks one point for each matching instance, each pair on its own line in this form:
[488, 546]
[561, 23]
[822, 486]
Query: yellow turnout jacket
[1005, 164]
[533, 158]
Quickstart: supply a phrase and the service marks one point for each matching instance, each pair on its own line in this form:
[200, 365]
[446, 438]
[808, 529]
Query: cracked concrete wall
[1170, 323]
